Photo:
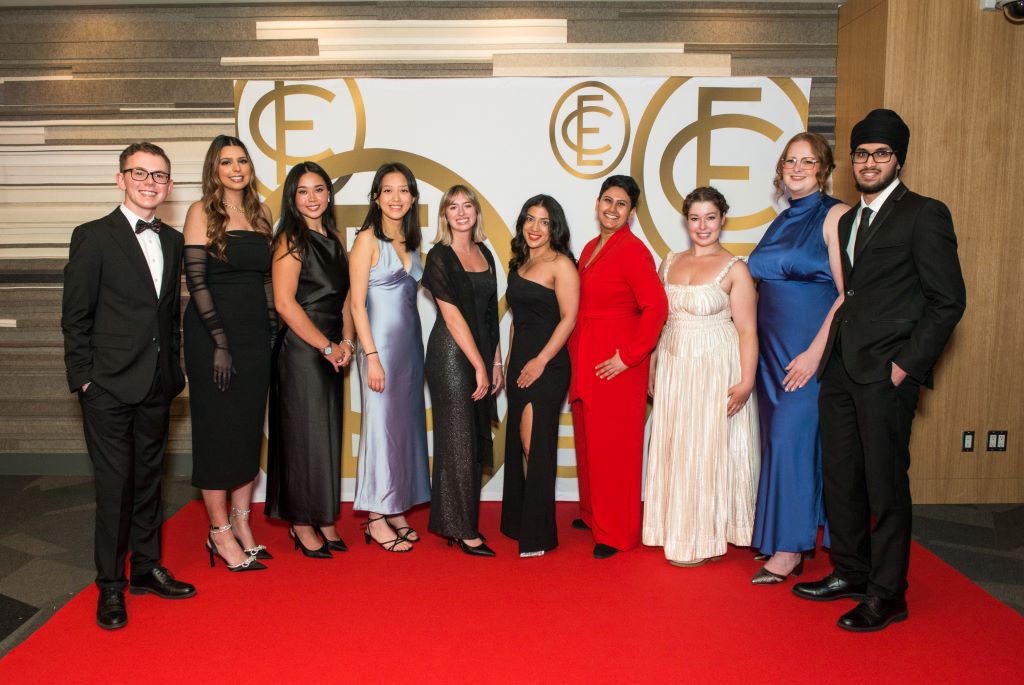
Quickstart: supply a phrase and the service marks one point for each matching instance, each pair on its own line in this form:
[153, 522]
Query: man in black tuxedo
[904, 294]
[122, 333]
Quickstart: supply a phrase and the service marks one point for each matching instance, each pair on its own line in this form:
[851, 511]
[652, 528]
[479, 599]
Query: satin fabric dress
[622, 307]
[393, 473]
[795, 294]
[528, 501]
[227, 426]
[702, 464]
[304, 452]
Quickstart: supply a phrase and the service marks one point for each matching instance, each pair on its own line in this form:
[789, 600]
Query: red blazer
[622, 306]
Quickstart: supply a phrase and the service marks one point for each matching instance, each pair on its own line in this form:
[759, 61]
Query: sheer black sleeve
[195, 279]
[437, 276]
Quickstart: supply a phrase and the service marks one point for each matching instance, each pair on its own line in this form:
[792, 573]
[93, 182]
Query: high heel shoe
[766, 577]
[388, 545]
[250, 563]
[405, 532]
[259, 551]
[333, 545]
[321, 553]
[481, 550]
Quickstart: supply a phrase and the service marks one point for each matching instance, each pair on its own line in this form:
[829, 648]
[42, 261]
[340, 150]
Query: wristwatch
[327, 350]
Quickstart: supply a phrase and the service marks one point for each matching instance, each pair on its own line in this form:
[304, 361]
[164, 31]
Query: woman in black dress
[544, 296]
[463, 367]
[311, 293]
[229, 327]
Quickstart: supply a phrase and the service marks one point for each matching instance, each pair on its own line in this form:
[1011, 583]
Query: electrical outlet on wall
[967, 442]
[996, 441]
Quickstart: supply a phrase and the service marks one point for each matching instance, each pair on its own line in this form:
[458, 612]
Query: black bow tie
[155, 225]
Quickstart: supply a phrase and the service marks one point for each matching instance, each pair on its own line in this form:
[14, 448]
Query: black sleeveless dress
[528, 503]
[304, 457]
[462, 427]
[227, 427]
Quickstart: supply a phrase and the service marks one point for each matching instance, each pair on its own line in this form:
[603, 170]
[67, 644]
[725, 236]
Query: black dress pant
[126, 444]
[865, 436]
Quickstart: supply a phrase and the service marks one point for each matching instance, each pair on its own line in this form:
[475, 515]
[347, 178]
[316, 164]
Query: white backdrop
[511, 138]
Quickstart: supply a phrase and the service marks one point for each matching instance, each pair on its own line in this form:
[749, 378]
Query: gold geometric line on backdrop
[701, 131]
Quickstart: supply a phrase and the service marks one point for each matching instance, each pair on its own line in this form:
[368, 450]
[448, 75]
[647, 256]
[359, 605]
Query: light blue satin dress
[393, 473]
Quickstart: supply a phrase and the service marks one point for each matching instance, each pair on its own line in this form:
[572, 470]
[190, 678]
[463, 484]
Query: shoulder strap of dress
[666, 264]
[725, 270]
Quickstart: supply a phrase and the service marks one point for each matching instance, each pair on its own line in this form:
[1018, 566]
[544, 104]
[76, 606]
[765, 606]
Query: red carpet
[436, 615]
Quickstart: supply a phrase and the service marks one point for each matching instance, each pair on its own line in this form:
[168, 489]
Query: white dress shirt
[150, 244]
[875, 205]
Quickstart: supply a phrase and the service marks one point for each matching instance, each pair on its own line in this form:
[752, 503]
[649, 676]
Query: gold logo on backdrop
[588, 130]
[700, 131]
[277, 97]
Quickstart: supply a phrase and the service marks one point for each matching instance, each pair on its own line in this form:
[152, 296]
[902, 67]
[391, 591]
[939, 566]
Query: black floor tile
[12, 614]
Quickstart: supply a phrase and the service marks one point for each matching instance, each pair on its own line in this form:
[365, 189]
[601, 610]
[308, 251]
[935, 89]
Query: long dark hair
[411, 220]
[292, 229]
[213, 197]
[558, 229]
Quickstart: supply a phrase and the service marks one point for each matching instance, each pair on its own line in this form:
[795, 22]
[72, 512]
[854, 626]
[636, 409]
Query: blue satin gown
[393, 473]
[795, 293]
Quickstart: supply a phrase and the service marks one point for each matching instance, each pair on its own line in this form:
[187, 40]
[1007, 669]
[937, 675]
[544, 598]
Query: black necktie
[862, 232]
[153, 225]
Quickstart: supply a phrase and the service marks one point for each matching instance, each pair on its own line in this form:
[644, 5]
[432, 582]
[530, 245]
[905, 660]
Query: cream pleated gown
[702, 466]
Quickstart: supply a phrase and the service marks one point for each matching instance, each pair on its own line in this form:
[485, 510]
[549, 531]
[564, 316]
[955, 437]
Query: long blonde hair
[444, 231]
[213, 199]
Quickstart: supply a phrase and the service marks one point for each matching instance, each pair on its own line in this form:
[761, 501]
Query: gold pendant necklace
[237, 209]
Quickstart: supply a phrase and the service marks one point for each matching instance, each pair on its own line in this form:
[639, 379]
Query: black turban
[882, 126]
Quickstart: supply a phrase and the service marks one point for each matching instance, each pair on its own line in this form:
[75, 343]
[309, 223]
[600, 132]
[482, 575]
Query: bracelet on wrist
[351, 345]
[374, 352]
[498, 364]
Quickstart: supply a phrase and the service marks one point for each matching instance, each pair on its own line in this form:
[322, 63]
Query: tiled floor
[46, 529]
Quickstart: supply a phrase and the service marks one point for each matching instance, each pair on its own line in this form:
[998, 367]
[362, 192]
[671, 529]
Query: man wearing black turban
[904, 294]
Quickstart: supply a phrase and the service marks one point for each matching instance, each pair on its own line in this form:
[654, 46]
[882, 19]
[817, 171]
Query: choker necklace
[237, 209]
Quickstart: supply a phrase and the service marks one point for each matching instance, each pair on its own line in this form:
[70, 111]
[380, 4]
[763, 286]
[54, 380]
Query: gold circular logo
[582, 143]
[277, 98]
[700, 131]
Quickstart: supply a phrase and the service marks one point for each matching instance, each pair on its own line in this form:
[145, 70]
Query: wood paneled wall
[953, 73]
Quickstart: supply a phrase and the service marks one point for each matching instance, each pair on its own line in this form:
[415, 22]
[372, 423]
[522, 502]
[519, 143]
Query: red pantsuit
[622, 307]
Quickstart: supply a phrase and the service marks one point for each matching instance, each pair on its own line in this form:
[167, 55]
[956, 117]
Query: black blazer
[117, 331]
[904, 293]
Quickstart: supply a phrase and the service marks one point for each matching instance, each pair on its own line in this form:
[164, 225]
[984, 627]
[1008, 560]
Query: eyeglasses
[881, 156]
[806, 163]
[140, 174]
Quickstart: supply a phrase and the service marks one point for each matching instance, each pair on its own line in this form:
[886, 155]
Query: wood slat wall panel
[56, 51]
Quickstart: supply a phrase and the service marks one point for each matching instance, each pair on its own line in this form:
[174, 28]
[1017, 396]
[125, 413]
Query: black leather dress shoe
[830, 587]
[580, 524]
[604, 551]
[110, 611]
[161, 583]
[874, 613]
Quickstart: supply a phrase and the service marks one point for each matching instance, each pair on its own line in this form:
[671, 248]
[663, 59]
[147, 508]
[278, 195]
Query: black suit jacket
[117, 331]
[904, 292]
